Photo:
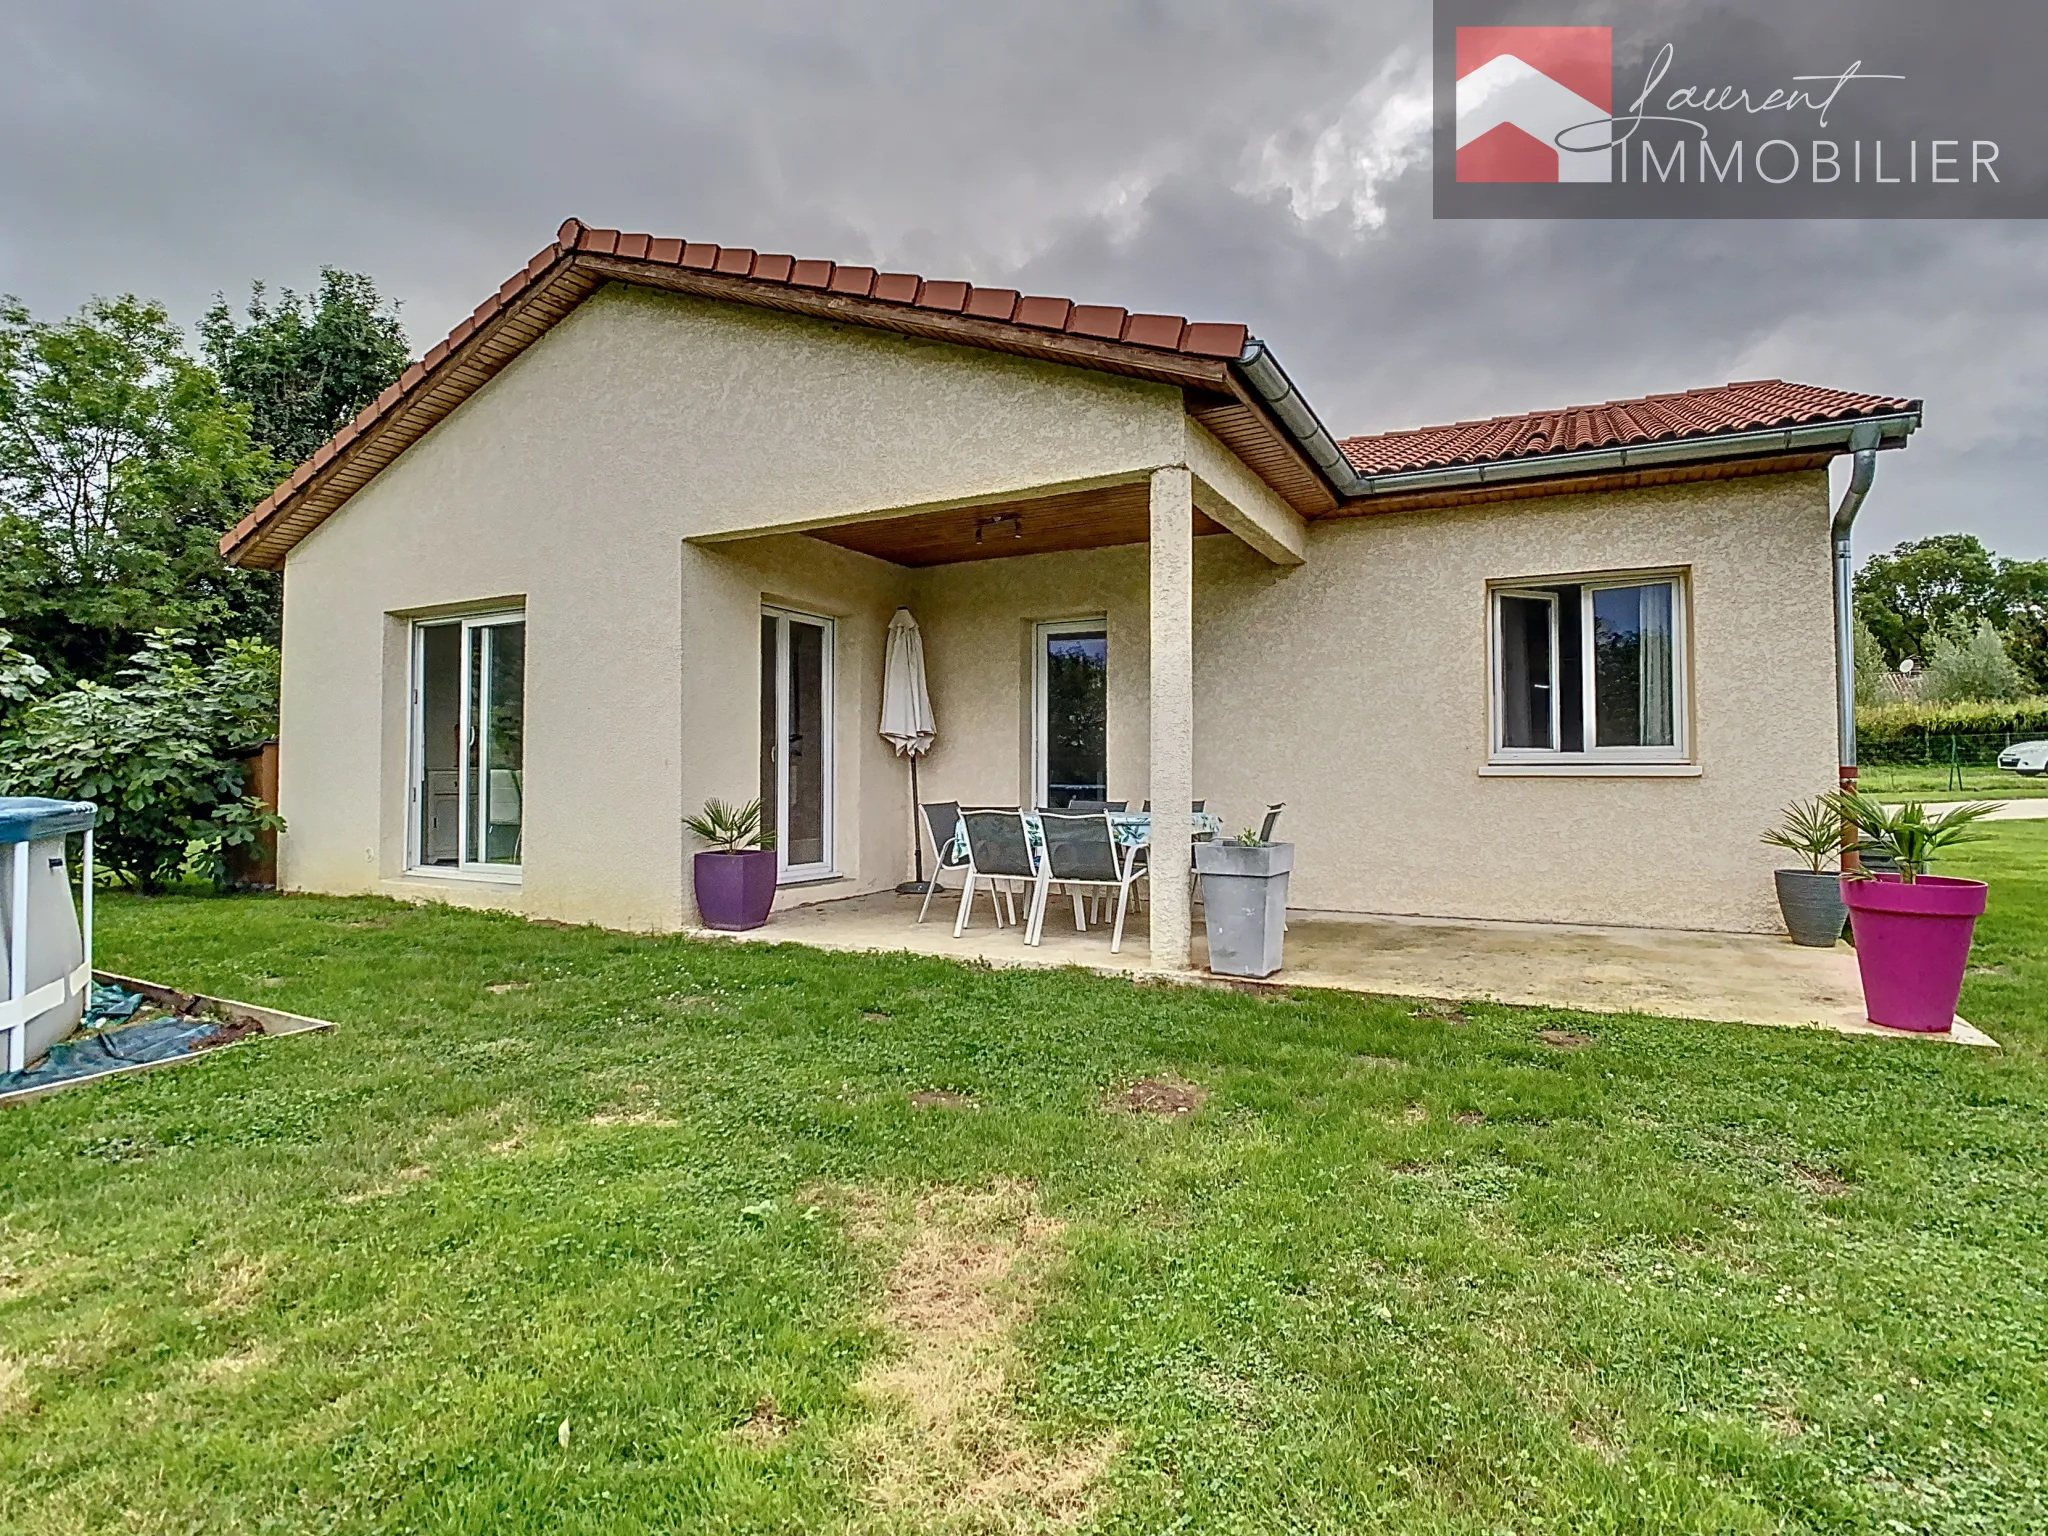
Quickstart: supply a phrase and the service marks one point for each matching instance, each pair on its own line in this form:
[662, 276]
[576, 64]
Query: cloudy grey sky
[1264, 162]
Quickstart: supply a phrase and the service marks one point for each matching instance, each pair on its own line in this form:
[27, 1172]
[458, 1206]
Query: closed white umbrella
[907, 722]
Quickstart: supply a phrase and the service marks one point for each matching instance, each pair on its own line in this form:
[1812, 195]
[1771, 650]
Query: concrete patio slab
[1732, 978]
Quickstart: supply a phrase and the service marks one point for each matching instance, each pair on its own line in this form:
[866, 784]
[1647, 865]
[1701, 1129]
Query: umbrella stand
[920, 886]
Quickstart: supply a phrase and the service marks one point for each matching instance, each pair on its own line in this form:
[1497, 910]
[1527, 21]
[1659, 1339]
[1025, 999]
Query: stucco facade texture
[582, 483]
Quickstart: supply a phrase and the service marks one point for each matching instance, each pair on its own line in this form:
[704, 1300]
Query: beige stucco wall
[570, 484]
[1354, 688]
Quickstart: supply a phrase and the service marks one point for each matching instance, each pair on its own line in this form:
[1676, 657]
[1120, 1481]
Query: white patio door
[796, 742]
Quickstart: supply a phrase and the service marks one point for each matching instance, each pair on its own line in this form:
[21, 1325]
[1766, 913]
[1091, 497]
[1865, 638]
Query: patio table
[1133, 829]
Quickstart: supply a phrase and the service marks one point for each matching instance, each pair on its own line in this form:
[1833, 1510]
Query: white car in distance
[2026, 758]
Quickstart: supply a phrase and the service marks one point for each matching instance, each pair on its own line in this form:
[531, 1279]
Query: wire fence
[1965, 762]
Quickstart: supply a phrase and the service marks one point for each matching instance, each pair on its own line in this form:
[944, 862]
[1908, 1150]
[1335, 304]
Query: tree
[1925, 585]
[1970, 663]
[121, 465]
[157, 751]
[306, 365]
[1870, 667]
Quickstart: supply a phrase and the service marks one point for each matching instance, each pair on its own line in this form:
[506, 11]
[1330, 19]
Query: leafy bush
[1970, 662]
[156, 751]
[22, 677]
[1911, 732]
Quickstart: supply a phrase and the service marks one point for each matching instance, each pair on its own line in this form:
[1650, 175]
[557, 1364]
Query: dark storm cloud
[1265, 163]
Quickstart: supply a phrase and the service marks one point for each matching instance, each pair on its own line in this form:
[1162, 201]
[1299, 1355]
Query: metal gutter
[1268, 380]
[1864, 443]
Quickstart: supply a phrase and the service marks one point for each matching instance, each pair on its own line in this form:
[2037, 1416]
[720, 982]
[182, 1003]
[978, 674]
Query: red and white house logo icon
[1518, 88]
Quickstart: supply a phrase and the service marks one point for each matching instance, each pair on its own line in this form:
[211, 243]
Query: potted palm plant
[1912, 928]
[1810, 899]
[735, 876]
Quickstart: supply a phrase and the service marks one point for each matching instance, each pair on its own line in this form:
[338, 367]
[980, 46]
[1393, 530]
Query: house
[632, 535]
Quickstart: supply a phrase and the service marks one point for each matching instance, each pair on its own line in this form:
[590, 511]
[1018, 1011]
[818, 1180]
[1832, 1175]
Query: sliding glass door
[469, 745]
[1071, 731]
[796, 742]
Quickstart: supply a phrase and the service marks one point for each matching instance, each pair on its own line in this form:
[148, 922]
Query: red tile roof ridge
[911, 290]
[1004, 307]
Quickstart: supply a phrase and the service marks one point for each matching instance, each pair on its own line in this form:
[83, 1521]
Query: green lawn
[1936, 784]
[1398, 1273]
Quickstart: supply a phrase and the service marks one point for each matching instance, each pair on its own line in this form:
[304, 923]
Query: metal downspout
[1863, 471]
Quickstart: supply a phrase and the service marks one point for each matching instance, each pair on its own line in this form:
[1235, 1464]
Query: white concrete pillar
[1172, 580]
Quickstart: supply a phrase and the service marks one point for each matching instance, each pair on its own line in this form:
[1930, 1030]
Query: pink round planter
[735, 890]
[1912, 943]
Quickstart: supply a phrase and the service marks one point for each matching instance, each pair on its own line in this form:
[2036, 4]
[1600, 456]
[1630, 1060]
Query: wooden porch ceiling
[1097, 519]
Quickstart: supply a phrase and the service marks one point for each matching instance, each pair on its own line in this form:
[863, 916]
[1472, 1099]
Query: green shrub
[156, 751]
[1970, 663]
[1907, 733]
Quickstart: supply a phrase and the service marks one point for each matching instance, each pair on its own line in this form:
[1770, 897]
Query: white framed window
[466, 807]
[1589, 670]
[1070, 712]
[798, 776]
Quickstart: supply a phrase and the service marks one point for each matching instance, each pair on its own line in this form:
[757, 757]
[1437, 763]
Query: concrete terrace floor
[1732, 978]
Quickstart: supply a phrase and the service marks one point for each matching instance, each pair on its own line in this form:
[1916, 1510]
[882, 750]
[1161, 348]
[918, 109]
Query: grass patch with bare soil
[1192, 1263]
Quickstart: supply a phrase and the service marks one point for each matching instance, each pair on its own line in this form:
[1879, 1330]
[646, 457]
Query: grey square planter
[1244, 905]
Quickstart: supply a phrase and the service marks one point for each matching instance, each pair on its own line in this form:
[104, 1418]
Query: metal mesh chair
[1081, 854]
[998, 857]
[941, 821]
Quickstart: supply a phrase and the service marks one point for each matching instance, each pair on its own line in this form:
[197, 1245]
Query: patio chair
[1082, 854]
[941, 822]
[1096, 805]
[998, 859]
[1272, 820]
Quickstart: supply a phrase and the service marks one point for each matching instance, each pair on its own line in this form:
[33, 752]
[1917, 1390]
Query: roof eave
[1834, 436]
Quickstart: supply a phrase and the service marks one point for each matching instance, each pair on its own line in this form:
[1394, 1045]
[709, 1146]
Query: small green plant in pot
[735, 876]
[1912, 928]
[1810, 897]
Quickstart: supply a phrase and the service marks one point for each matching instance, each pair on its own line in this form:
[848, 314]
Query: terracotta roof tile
[633, 247]
[773, 269]
[668, 252]
[897, 287]
[601, 241]
[1755, 405]
[733, 261]
[947, 296]
[1098, 320]
[854, 280]
[702, 257]
[1155, 331]
[1045, 314]
[1211, 340]
[992, 303]
[812, 274]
